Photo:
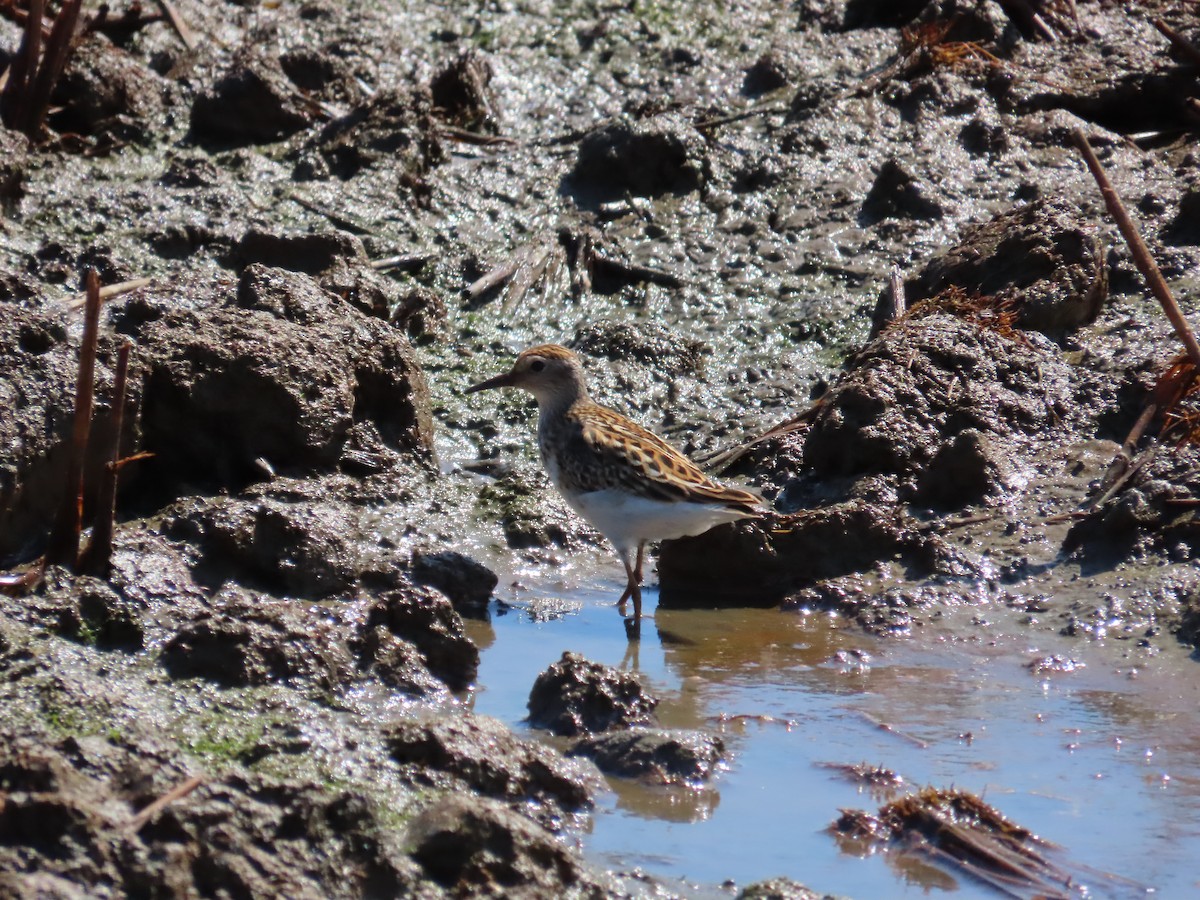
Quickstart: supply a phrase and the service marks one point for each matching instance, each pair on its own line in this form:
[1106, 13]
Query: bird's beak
[505, 380]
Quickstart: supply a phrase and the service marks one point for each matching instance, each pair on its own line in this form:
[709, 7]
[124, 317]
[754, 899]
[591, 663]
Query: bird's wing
[626, 453]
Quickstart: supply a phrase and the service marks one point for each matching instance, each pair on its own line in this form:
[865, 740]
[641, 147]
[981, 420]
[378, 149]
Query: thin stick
[494, 279]
[58, 48]
[64, 537]
[113, 290]
[24, 67]
[99, 552]
[404, 261]
[1141, 255]
[177, 22]
[138, 822]
[1178, 41]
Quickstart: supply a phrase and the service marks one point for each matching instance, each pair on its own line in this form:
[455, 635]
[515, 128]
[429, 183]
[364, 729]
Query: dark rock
[467, 583]
[462, 92]
[648, 343]
[762, 561]
[254, 641]
[428, 620]
[647, 158]
[395, 126]
[290, 549]
[472, 845]
[251, 103]
[896, 194]
[780, 889]
[658, 757]
[399, 664]
[279, 377]
[486, 758]
[1040, 256]
[964, 471]
[105, 89]
[575, 696]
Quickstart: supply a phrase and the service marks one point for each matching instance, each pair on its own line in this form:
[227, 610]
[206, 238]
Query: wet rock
[575, 696]
[399, 664]
[393, 126]
[648, 343]
[104, 89]
[483, 756]
[780, 889]
[69, 802]
[252, 102]
[646, 158]
[429, 621]
[964, 471]
[896, 194]
[278, 376]
[248, 640]
[421, 313]
[467, 583]
[657, 757]
[1040, 256]
[289, 549]
[924, 382]
[762, 561]
[462, 92]
[473, 846]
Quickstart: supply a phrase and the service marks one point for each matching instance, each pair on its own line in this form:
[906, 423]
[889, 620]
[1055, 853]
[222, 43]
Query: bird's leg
[633, 587]
[637, 569]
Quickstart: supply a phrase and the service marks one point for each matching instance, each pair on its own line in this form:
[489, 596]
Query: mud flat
[335, 583]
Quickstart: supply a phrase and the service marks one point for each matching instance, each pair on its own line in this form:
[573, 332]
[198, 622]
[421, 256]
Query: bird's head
[551, 373]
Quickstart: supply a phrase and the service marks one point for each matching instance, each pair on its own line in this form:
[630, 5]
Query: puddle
[1103, 761]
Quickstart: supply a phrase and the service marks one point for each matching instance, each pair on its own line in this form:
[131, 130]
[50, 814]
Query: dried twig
[112, 290]
[178, 23]
[17, 583]
[404, 262]
[1141, 255]
[99, 551]
[138, 822]
[23, 69]
[63, 546]
[1178, 41]
[54, 60]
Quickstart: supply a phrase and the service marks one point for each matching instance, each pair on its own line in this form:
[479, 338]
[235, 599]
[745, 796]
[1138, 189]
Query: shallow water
[1101, 761]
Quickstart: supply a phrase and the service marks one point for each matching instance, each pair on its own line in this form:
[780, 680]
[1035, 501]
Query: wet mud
[347, 213]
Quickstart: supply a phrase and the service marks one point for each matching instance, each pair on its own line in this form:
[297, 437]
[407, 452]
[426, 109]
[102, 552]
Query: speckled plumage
[629, 483]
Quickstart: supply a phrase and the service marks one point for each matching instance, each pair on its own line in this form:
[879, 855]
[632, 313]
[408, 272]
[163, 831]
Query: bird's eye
[537, 365]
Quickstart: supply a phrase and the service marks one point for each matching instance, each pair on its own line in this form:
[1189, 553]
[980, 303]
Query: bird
[629, 483]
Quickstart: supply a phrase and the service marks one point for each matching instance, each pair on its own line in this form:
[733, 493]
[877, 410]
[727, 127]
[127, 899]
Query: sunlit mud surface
[1100, 760]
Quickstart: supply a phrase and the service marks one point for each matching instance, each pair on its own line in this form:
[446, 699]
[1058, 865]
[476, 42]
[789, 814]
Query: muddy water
[1101, 761]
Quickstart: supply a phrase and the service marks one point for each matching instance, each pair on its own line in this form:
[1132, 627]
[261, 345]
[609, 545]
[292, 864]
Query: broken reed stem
[58, 48]
[23, 68]
[99, 551]
[178, 23]
[1141, 255]
[138, 822]
[64, 536]
[1178, 41]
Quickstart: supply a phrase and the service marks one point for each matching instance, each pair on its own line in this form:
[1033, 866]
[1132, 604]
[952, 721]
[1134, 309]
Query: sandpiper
[629, 483]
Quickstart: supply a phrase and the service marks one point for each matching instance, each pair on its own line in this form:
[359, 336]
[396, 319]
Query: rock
[396, 126]
[462, 92]
[254, 641]
[780, 889]
[1040, 256]
[428, 620]
[475, 846]
[106, 90]
[252, 102]
[290, 549]
[646, 158]
[467, 583]
[483, 756]
[278, 376]
[399, 664]
[896, 194]
[657, 757]
[575, 696]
